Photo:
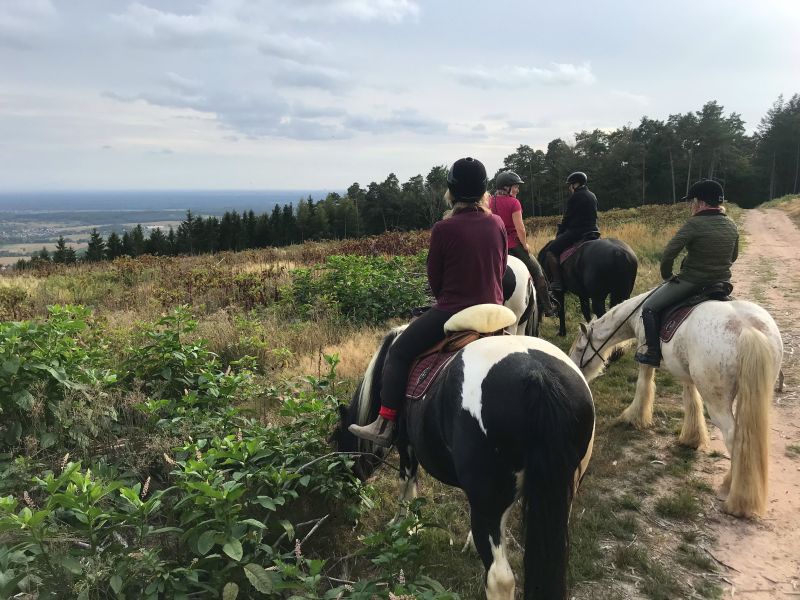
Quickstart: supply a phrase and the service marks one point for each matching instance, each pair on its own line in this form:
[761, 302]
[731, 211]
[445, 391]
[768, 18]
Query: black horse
[598, 269]
[509, 417]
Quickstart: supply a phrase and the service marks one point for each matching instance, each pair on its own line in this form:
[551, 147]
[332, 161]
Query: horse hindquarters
[750, 452]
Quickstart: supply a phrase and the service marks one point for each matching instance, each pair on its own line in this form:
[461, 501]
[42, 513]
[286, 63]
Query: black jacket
[581, 212]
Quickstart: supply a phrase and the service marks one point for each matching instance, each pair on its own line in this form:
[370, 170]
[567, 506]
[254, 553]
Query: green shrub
[365, 289]
[176, 370]
[45, 371]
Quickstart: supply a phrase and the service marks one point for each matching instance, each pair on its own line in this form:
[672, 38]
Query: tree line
[652, 163]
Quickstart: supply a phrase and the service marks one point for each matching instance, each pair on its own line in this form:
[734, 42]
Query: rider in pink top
[506, 206]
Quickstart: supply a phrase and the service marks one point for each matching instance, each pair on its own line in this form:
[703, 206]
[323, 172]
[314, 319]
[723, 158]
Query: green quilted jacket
[712, 244]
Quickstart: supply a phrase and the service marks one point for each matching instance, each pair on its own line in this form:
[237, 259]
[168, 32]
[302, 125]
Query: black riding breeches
[533, 265]
[671, 293]
[564, 241]
[421, 334]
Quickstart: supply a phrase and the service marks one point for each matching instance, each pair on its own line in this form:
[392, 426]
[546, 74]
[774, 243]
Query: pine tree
[113, 246]
[171, 242]
[157, 243]
[60, 253]
[137, 241]
[127, 248]
[95, 252]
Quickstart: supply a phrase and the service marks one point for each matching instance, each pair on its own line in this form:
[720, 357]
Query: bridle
[588, 334]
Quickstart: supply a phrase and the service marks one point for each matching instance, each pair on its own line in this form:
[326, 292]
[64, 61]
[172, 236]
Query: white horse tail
[750, 454]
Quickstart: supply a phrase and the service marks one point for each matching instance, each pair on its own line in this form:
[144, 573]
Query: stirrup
[648, 358]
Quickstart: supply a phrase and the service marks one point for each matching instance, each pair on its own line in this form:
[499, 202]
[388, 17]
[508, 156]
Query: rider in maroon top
[466, 262]
[466, 253]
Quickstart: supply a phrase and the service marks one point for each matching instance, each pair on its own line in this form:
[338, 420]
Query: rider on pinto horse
[580, 218]
[711, 240]
[466, 261]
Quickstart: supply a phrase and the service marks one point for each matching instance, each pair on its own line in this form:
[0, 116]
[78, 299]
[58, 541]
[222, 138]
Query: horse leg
[721, 414]
[409, 468]
[599, 305]
[585, 309]
[693, 433]
[640, 412]
[562, 318]
[488, 525]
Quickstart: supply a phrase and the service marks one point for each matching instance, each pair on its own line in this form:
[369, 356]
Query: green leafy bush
[366, 289]
[45, 370]
[184, 373]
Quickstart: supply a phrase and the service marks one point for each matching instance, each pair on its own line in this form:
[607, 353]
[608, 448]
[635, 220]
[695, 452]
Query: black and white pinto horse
[510, 417]
[599, 269]
[520, 296]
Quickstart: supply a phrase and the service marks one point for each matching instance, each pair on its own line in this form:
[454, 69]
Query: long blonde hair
[459, 207]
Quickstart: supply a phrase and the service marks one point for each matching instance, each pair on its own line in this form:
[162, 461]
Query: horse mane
[368, 393]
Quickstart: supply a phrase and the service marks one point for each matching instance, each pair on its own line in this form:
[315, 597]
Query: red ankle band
[388, 413]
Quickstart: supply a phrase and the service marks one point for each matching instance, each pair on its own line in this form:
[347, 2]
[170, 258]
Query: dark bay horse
[598, 269]
[510, 417]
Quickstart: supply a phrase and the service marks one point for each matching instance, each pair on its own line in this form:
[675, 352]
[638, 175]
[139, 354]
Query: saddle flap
[674, 316]
[428, 365]
[425, 371]
[483, 318]
[674, 320]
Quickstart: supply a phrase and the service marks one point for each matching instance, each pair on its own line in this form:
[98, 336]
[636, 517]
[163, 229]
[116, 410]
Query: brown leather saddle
[674, 316]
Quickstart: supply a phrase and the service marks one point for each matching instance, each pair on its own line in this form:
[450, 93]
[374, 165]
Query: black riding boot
[543, 297]
[652, 327]
[554, 271]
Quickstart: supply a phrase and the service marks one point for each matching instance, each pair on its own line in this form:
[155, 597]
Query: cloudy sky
[300, 94]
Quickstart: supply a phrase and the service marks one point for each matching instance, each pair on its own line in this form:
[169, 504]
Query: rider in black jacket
[580, 218]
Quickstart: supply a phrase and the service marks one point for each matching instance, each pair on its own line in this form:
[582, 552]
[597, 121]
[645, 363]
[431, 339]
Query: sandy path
[764, 556]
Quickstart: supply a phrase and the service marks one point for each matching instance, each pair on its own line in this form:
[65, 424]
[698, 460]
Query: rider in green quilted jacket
[711, 240]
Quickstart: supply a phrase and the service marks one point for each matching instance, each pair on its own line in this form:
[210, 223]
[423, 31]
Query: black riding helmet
[467, 180]
[506, 179]
[577, 177]
[707, 190]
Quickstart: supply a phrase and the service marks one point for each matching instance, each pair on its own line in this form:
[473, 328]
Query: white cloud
[559, 74]
[398, 120]
[639, 99]
[21, 19]
[296, 74]
[206, 26]
[252, 21]
[391, 11]
[289, 46]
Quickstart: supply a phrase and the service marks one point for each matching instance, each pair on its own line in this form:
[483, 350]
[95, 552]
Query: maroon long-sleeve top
[466, 260]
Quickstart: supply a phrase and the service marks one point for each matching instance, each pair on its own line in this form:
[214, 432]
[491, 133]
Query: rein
[596, 351]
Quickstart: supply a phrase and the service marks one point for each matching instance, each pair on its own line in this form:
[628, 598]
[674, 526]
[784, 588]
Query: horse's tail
[626, 267]
[531, 313]
[750, 454]
[557, 441]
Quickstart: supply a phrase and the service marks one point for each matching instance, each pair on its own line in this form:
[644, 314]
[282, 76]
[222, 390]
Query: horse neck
[619, 324]
[368, 399]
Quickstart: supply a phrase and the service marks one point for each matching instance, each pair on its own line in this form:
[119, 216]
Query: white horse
[724, 351]
[520, 296]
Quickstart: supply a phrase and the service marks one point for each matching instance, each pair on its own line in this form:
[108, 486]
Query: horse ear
[584, 330]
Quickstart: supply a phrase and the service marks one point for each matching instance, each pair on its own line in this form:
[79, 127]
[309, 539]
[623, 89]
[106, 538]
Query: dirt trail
[763, 557]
